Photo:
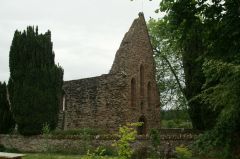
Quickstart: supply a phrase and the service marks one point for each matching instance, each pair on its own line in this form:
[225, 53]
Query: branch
[172, 70]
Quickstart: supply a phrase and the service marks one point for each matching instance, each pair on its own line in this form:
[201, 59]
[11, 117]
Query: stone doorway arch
[142, 130]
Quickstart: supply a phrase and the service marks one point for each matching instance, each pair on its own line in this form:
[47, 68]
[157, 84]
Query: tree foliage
[35, 81]
[127, 134]
[168, 58]
[222, 97]
[6, 118]
[207, 35]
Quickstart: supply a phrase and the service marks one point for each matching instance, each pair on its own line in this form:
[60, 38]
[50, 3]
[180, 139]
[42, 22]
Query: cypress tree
[6, 119]
[35, 83]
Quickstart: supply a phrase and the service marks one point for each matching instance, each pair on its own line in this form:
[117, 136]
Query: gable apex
[134, 48]
[137, 24]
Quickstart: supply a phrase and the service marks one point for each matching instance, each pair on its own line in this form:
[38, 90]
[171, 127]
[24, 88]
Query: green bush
[103, 151]
[183, 152]
[99, 153]
[127, 134]
[155, 138]
[155, 142]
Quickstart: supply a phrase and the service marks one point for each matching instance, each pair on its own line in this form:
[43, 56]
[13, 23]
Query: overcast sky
[85, 33]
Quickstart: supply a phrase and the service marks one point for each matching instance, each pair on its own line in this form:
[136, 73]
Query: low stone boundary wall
[169, 139]
[42, 144]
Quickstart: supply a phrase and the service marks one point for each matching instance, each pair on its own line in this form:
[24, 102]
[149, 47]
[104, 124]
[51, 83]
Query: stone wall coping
[178, 130]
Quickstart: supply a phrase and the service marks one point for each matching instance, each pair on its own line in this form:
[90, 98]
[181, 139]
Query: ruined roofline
[81, 79]
[136, 20]
[141, 16]
[128, 35]
[126, 39]
[134, 25]
[131, 37]
[87, 78]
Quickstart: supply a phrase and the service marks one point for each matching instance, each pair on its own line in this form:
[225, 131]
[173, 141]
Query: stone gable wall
[136, 51]
[105, 102]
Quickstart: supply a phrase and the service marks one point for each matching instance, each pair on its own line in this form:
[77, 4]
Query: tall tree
[6, 118]
[35, 81]
[182, 36]
[222, 71]
[183, 32]
[207, 33]
[168, 58]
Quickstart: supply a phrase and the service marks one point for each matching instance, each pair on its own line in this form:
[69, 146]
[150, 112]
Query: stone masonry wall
[95, 102]
[135, 53]
[127, 94]
[76, 144]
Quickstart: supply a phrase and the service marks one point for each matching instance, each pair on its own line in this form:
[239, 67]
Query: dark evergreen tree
[35, 81]
[6, 119]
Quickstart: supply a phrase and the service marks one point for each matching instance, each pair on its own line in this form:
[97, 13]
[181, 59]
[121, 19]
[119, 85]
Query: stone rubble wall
[76, 144]
[95, 103]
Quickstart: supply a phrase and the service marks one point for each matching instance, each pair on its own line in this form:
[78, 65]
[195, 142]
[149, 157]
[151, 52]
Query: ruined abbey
[128, 93]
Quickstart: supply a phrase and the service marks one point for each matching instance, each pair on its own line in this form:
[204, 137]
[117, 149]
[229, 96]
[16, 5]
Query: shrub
[183, 152]
[127, 134]
[155, 142]
[155, 138]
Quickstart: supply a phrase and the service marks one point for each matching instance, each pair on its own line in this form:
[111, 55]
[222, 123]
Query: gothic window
[142, 80]
[149, 94]
[64, 102]
[133, 92]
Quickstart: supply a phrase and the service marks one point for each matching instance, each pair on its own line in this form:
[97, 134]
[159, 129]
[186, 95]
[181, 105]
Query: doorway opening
[142, 130]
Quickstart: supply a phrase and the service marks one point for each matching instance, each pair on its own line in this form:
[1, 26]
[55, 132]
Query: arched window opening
[142, 106]
[149, 94]
[142, 80]
[142, 130]
[133, 92]
[64, 102]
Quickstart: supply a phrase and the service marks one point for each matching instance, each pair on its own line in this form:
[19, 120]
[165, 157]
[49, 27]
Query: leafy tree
[207, 34]
[35, 81]
[224, 98]
[6, 119]
[170, 75]
[182, 36]
[222, 71]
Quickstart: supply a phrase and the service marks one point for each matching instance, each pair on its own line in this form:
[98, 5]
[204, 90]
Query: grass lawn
[58, 156]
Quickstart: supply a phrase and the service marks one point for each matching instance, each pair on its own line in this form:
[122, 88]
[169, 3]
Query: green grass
[59, 156]
[176, 124]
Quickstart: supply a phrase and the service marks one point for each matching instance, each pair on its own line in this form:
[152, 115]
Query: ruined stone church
[128, 93]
